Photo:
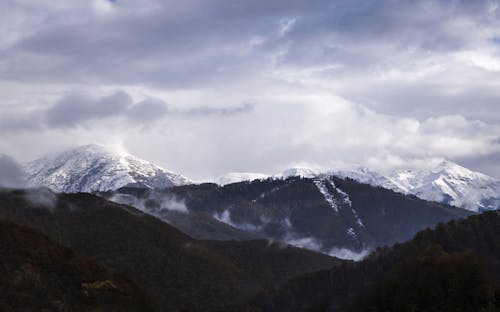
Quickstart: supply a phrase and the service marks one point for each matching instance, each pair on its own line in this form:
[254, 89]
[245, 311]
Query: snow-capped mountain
[453, 184]
[94, 168]
[447, 183]
[235, 177]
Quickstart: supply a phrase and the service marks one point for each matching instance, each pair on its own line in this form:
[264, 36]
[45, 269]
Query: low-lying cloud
[11, 173]
[348, 254]
[154, 203]
[42, 197]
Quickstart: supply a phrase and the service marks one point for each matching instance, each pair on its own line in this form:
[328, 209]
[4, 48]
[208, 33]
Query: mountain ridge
[92, 167]
[446, 182]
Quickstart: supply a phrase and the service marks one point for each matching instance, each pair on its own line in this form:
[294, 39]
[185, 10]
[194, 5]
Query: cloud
[344, 253]
[155, 203]
[75, 109]
[207, 110]
[42, 197]
[11, 173]
[147, 110]
[378, 83]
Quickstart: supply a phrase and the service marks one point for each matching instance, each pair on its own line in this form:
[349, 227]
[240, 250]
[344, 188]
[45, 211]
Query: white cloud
[367, 82]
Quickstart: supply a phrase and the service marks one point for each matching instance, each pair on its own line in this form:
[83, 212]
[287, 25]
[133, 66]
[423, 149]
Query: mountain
[454, 267]
[340, 217]
[94, 168]
[38, 274]
[447, 183]
[451, 183]
[177, 271]
[173, 210]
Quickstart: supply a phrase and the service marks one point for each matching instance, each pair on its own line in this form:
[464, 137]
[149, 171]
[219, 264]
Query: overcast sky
[204, 87]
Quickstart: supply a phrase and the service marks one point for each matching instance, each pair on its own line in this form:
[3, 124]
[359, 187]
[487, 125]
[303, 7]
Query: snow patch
[235, 177]
[320, 184]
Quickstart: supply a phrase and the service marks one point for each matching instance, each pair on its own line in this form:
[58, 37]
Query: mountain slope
[94, 168]
[455, 267]
[176, 270]
[39, 275]
[339, 217]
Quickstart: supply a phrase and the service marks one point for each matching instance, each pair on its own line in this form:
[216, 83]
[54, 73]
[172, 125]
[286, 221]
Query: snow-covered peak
[298, 172]
[95, 168]
[365, 175]
[234, 177]
[451, 183]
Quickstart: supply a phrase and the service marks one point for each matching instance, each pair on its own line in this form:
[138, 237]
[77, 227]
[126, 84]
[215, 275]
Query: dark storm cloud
[188, 42]
[75, 109]
[206, 43]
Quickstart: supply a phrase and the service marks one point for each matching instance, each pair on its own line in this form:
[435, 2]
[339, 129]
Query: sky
[205, 87]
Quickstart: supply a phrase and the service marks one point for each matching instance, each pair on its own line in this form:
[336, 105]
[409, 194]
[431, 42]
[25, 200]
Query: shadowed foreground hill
[455, 267]
[176, 270]
[37, 274]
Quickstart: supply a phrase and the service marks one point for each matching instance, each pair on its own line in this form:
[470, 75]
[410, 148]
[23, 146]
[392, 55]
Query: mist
[155, 203]
[11, 173]
[42, 197]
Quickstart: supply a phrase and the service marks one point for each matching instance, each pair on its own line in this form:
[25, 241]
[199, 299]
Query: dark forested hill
[176, 270]
[37, 274]
[323, 214]
[455, 267]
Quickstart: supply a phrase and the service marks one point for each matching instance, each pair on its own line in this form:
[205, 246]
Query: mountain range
[93, 168]
[155, 236]
[345, 212]
[446, 182]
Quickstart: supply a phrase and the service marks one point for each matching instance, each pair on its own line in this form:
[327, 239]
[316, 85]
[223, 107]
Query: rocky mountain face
[92, 168]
